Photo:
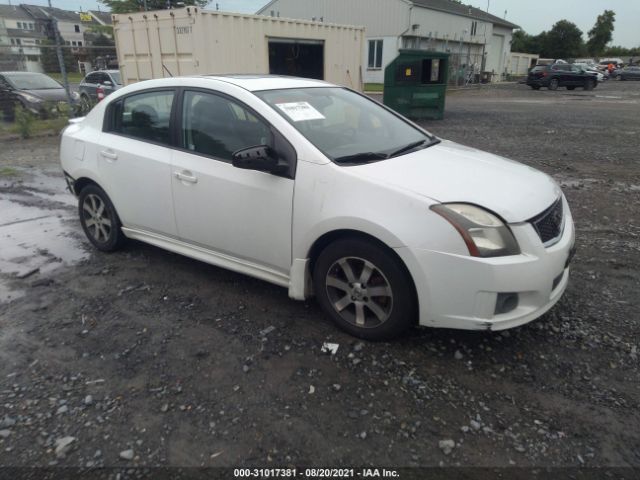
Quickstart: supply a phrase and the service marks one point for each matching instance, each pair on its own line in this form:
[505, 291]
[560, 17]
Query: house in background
[479, 43]
[20, 39]
[70, 24]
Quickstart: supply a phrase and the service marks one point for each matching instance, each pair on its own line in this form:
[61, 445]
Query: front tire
[589, 84]
[554, 84]
[365, 289]
[99, 219]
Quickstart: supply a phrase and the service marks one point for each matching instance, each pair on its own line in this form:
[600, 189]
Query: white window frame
[378, 45]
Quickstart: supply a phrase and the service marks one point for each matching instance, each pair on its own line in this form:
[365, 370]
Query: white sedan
[324, 191]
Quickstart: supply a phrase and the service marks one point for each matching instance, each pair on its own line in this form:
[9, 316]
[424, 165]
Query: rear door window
[91, 78]
[144, 116]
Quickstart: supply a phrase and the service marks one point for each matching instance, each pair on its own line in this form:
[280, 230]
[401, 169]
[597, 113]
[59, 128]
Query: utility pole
[63, 70]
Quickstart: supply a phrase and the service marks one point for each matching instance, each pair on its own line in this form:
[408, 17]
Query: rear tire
[85, 104]
[554, 84]
[365, 289]
[99, 219]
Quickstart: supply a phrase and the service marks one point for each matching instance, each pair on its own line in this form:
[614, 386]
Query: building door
[496, 53]
[298, 58]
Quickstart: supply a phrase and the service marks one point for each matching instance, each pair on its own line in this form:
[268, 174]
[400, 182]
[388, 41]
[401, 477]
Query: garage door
[298, 58]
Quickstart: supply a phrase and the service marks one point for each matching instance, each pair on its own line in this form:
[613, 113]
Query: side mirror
[261, 158]
[107, 83]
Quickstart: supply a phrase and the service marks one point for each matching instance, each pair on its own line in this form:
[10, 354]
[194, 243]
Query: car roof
[256, 82]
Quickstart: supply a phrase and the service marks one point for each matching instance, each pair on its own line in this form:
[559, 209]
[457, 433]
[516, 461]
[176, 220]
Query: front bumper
[461, 292]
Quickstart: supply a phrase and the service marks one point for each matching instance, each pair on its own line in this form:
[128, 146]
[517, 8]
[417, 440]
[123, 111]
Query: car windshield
[116, 77]
[347, 127]
[31, 81]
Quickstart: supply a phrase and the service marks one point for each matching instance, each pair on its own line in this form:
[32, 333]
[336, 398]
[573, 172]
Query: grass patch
[74, 77]
[8, 172]
[36, 126]
[373, 87]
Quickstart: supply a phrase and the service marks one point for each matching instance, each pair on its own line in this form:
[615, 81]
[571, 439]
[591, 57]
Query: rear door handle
[108, 154]
[185, 177]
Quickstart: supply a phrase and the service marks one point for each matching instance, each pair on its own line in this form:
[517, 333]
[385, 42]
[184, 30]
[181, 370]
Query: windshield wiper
[361, 157]
[413, 145]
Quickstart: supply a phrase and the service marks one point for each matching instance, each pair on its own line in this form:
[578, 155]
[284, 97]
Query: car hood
[449, 172]
[49, 94]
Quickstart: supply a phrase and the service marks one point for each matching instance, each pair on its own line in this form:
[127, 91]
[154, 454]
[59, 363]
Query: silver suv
[96, 86]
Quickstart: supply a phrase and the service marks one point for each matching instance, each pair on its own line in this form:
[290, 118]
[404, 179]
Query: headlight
[484, 234]
[31, 98]
[75, 96]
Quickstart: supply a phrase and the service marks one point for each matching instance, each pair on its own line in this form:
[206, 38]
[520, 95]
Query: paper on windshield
[300, 111]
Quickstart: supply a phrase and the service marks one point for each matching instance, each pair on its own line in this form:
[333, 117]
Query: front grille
[548, 224]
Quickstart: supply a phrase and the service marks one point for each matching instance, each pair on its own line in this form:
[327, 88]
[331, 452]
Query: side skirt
[209, 256]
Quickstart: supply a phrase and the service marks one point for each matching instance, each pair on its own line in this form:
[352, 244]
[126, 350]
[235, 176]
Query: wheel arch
[340, 234]
[82, 182]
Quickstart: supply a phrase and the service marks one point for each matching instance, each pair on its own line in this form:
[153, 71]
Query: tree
[522, 42]
[601, 33]
[128, 6]
[564, 40]
[49, 58]
[103, 48]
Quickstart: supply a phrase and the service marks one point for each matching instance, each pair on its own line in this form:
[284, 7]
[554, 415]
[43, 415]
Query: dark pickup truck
[561, 75]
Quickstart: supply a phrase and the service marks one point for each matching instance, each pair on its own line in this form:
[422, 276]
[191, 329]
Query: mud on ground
[144, 357]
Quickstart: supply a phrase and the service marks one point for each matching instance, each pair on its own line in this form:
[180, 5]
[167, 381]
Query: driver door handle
[185, 177]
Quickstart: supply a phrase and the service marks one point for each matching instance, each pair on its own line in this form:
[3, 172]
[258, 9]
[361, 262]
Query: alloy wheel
[96, 218]
[359, 292]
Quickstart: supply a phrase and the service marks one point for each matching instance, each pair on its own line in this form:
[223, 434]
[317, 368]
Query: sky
[533, 16]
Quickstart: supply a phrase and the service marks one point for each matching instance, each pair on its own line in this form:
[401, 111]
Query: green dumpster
[415, 84]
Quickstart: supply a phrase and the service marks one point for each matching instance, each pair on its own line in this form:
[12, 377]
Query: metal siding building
[481, 41]
[191, 41]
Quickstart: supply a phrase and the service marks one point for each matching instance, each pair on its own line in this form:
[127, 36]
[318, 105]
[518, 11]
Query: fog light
[505, 303]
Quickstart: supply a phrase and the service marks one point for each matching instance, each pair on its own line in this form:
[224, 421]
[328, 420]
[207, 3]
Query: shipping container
[191, 41]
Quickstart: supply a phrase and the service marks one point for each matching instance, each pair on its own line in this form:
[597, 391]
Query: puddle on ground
[570, 182]
[39, 231]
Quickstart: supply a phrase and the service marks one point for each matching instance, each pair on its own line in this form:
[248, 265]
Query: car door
[134, 160]
[244, 214]
[7, 99]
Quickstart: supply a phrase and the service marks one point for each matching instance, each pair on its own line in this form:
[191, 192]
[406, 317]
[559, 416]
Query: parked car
[627, 73]
[601, 76]
[549, 61]
[36, 92]
[96, 86]
[561, 75]
[326, 192]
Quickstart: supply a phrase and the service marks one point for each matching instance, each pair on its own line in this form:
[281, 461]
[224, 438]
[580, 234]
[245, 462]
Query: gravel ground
[144, 357]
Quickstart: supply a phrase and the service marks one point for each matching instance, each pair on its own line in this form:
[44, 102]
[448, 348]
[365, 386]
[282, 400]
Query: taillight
[100, 93]
[545, 74]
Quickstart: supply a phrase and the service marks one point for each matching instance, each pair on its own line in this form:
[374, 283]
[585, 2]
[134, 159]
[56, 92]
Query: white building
[20, 38]
[479, 42]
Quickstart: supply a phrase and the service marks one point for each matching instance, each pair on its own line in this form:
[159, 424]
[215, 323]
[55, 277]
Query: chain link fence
[466, 69]
[42, 58]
